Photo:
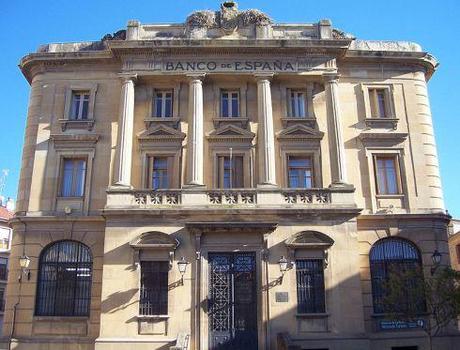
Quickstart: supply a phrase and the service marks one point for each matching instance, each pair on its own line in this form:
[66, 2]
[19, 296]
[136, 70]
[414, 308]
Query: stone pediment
[161, 133]
[299, 132]
[309, 240]
[154, 240]
[231, 133]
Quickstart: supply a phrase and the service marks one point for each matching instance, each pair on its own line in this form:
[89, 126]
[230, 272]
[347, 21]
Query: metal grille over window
[64, 280]
[73, 177]
[310, 286]
[300, 172]
[154, 288]
[80, 105]
[394, 255]
[163, 104]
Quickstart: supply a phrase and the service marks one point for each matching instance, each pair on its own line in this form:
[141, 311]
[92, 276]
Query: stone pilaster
[266, 135]
[338, 162]
[125, 132]
[196, 133]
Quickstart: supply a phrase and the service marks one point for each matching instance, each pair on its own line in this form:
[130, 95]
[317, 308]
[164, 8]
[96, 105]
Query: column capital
[195, 76]
[263, 76]
[127, 77]
[331, 77]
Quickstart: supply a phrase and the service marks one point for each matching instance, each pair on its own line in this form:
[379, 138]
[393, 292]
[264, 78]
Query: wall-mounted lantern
[24, 262]
[182, 266]
[436, 258]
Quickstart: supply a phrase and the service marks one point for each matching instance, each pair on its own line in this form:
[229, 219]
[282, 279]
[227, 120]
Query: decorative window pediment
[309, 240]
[382, 138]
[299, 132]
[231, 133]
[154, 240]
[161, 133]
[161, 244]
[74, 140]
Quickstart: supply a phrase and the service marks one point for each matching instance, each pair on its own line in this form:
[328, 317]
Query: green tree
[409, 296]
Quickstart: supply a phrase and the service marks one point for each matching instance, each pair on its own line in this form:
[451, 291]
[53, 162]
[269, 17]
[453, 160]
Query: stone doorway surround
[213, 237]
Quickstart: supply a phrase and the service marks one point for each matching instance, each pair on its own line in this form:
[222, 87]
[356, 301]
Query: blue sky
[433, 24]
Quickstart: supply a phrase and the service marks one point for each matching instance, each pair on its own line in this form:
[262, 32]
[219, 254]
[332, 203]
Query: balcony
[238, 199]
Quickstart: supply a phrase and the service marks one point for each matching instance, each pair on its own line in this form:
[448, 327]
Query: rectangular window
[2, 300]
[300, 172]
[159, 172]
[458, 253]
[163, 104]
[387, 174]
[154, 288]
[230, 104]
[73, 177]
[379, 103]
[297, 104]
[310, 286]
[230, 172]
[79, 106]
[3, 269]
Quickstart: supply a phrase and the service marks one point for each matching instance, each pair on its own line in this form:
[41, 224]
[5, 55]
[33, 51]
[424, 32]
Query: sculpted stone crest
[228, 19]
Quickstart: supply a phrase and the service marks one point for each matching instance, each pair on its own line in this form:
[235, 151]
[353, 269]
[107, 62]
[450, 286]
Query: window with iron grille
[395, 255]
[73, 176]
[64, 280]
[154, 288]
[310, 286]
[3, 269]
[80, 105]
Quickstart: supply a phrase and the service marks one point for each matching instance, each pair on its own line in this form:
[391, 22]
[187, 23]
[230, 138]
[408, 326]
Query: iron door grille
[310, 286]
[154, 288]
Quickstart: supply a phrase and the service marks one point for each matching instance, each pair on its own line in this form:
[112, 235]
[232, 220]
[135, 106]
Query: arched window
[64, 280]
[395, 255]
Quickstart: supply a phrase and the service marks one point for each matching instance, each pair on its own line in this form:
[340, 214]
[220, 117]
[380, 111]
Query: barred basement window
[310, 286]
[154, 288]
[391, 255]
[64, 280]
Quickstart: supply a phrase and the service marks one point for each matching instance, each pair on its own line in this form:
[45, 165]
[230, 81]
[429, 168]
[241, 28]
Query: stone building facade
[225, 183]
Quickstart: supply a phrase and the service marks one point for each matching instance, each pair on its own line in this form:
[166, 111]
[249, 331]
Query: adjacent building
[224, 183]
[6, 213]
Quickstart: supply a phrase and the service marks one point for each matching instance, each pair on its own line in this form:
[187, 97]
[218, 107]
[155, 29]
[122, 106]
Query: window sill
[76, 124]
[61, 318]
[307, 121]
[168, 121]
[238, 121]
[152, 317]
[383, 122]
[313, 315]
[389, 196]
